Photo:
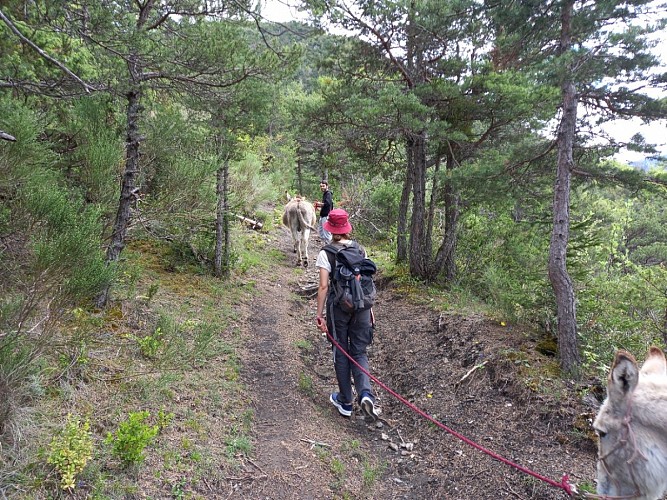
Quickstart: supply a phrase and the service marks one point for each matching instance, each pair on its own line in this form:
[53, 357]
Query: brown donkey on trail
[632, 427]
[299, 217]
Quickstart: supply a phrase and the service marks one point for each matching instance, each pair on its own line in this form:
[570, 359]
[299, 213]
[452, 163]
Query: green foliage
[99, 153]
[372, 472]
[384, 201]
[337, 468]
[52, 260]
[180, 178]
[132, 437]
[504, 263]
[303, 344]
[68, 249]
[63, 250]
[164, 419]
[237, 444]
[621, 293]
[150, 345]
[645, 231]
[621, 310]
[70, 450]
[249, 184]
[306, 384]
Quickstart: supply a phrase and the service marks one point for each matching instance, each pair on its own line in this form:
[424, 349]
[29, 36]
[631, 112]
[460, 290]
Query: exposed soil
[476, 376]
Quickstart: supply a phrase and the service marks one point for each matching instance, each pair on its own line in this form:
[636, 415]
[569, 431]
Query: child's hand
[321, 324]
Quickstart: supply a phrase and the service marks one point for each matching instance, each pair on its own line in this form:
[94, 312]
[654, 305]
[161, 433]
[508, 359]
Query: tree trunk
[128, 186]
[433, 200]
[222, 217]
[419, 247]
[445, 260]
[225, 219]
[570, 358]
[219, 222]
[403, 207]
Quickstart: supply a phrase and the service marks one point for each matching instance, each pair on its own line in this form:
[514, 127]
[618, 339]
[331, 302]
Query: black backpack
[352, 277]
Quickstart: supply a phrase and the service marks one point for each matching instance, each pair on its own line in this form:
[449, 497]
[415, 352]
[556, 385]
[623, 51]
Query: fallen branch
[476, 367]
[254, 224]
[316, 443]
[308, 289]
[399, 435]
[246, 478]
[4, 135]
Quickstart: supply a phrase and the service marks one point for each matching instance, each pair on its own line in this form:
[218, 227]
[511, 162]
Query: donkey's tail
[302, 216]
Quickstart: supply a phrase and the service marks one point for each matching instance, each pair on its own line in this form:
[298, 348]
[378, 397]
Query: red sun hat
[337, 222]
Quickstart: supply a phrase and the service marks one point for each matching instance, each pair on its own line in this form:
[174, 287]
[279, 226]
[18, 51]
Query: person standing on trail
[325, 206]
[353, 332]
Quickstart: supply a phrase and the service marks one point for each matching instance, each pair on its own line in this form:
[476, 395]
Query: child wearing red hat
[353, 332]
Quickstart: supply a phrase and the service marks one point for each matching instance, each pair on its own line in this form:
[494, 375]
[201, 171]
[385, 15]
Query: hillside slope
[236, 378]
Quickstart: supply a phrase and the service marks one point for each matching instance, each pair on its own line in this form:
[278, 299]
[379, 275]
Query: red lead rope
[564, 482]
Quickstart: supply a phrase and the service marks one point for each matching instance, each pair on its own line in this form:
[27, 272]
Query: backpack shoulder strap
[331, 251]
[362, 250]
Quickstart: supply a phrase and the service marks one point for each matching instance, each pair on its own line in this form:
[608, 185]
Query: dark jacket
[327, 203]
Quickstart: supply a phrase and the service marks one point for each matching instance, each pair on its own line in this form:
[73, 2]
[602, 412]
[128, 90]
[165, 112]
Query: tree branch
[43, 54]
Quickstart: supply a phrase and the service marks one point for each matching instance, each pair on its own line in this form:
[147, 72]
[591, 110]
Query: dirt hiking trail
[463, 371]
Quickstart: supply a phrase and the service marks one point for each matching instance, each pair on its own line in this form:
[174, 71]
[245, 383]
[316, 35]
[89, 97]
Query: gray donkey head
[632, 429]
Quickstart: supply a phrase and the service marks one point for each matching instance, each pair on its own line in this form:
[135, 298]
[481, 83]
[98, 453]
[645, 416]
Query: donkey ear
[623, 376]
[655, 362]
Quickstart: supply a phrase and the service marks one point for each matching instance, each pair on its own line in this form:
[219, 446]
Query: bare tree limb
[43, 54]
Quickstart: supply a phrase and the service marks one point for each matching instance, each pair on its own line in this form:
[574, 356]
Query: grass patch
[303, 344]
[306, 385]
[238, 444]
[372, 472]
[163, 343]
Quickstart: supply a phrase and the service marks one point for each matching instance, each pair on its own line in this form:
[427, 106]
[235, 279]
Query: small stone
[393, 446]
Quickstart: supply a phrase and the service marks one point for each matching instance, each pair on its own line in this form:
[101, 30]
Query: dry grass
[167, 344]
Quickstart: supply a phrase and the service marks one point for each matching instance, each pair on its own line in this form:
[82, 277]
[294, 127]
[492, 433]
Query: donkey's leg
[296, 238]
[304, 245]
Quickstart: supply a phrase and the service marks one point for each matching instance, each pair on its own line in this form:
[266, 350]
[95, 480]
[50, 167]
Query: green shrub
[385, 199]
[70, 450]
[150, 345]
[18, 368]
[504, 264]
[132, 437]
[164, 419]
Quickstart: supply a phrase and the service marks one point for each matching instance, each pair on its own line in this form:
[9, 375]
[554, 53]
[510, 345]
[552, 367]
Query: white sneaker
[368, 407]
